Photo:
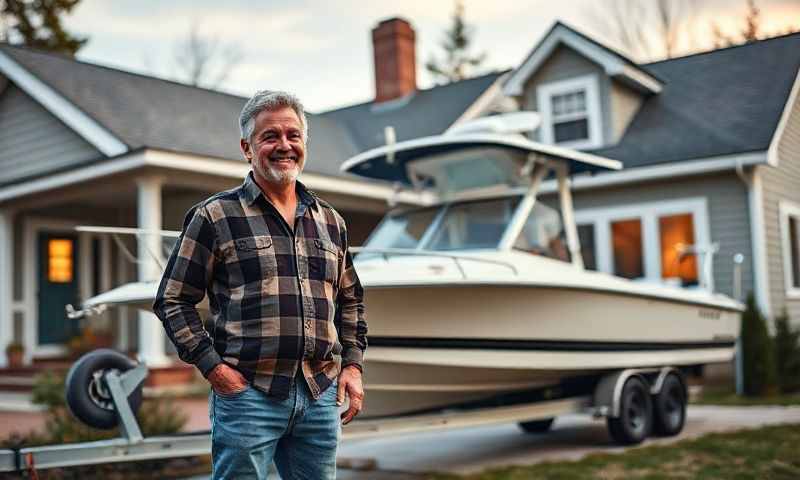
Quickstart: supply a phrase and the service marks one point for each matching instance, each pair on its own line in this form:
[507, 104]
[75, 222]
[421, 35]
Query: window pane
[474, 225]
[402, 230]
[586, 237]
[543, 234]
[626, 239]
[574, 130]
[59, 260]
[675, 232]
[794, 247]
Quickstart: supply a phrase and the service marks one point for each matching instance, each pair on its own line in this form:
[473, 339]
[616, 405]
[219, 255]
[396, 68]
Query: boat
[481, 295]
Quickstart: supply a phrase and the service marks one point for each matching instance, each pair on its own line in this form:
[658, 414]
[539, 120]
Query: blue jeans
[250, 430]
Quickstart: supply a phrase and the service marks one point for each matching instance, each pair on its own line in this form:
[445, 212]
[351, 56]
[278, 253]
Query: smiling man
[288, 331]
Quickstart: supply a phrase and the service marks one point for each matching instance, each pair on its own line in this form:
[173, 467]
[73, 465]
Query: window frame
[788, 209]
[589, 84]
[648, 213]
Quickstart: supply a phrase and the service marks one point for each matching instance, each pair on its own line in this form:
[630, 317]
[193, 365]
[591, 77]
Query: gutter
[755, 196]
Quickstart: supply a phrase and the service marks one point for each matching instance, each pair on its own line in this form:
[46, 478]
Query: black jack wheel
[87, 396]
[635, 416]
[669, 407]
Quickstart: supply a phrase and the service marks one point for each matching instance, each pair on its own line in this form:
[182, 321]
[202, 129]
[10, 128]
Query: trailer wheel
[669, 407]
[537, 426]
[635, 415]
[87, 396]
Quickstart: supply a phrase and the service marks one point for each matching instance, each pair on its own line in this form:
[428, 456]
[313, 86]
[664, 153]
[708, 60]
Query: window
[790, 232]
[626, 240]
[648, 241]
[59, 260]
[569, 117]
[676, 232]
[478, 224]
[571, 114]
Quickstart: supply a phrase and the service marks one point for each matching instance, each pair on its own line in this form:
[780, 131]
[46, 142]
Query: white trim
[670, 170]
[6, 282]
[63, 109]
[788, 209]
[594, 117]
[193, 163]
[648, 213]
[755, 194]
[560, 34]
[787, 111]
[31, 228]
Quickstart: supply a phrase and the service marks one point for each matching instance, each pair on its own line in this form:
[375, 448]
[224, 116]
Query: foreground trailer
[104, 390]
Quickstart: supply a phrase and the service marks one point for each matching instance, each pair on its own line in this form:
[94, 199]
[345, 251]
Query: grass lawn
[726, 396]
[768, 452]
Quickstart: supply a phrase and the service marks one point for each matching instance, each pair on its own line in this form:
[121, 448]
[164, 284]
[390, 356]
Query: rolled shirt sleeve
[184, 284]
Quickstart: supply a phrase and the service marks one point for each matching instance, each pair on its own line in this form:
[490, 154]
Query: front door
[58, 286]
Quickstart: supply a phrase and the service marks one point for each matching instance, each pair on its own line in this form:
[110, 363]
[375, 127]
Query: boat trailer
[104, 390]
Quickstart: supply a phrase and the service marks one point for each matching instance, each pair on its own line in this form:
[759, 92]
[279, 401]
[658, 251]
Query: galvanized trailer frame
[132, 446]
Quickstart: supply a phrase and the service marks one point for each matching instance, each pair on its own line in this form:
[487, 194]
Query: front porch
[46, 264]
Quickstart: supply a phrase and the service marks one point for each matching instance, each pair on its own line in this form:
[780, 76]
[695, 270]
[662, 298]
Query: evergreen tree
[787, 354]
[757, 351]
[457, 60]
[37, 23]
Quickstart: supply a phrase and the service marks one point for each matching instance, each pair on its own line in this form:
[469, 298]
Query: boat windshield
[459, 226]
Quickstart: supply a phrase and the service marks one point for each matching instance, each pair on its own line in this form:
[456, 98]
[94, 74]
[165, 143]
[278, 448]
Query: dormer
[586, 93]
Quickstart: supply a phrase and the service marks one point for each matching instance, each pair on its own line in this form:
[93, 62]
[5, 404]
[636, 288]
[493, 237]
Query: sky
[322, 51]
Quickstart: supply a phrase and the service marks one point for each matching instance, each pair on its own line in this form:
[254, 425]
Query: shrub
[757, 351]
[787, 354]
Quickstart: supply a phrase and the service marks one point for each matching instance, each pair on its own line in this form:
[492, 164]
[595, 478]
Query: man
[286, 304]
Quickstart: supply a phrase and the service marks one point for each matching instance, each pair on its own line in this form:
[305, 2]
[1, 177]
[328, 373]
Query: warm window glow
[59, 253]
[676, 231]
[626, 239]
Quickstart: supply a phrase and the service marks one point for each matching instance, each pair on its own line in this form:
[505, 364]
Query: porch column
[151, 333]
[6, 283]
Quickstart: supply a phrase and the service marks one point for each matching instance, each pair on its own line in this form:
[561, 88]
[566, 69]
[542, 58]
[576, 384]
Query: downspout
[761, 287]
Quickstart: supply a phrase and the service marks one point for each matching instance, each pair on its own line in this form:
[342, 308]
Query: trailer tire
[537, 426]
[635, 414]
[669, 407]
[87, 396]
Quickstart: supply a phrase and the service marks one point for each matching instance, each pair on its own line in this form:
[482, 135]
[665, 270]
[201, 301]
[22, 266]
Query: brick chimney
[395, 59]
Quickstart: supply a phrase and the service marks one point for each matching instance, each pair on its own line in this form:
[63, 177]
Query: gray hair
[269, 100]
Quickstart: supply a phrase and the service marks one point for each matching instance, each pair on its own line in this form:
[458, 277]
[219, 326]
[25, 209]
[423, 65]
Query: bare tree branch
[204, 60]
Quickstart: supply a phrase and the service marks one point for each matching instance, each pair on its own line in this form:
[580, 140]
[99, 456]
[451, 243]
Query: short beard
[279, 177]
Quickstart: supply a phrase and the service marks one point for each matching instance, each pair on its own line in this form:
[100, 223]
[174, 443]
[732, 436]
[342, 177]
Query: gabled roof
[422, 113]
[717, 103]
[138, 111]
[615, 64]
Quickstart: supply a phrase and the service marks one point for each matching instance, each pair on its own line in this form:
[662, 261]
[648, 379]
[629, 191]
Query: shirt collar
[251, 191]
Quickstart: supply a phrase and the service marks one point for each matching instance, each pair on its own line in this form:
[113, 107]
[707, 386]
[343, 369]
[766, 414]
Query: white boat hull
[471, 342]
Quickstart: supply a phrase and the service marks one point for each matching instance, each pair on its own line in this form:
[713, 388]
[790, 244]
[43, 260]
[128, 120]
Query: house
[710, 144]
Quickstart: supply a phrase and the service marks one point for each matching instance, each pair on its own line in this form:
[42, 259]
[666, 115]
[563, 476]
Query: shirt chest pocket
[250, 259]
[323, 261]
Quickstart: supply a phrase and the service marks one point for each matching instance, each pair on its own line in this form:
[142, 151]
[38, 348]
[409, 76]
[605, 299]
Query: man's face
[276, 149]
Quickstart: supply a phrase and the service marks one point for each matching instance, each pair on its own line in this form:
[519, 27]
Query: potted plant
[15, 352]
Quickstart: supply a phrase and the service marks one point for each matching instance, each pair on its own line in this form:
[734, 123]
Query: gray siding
[782, 183]
[728, 217]
[34, 142]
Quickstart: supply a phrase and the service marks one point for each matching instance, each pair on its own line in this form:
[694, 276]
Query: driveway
[470, 450]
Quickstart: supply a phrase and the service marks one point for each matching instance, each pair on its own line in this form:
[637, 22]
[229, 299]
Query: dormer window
[570, 111]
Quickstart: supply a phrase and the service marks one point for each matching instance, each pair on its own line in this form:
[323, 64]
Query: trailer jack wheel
[88, 395]
[635, 418]
[669, 407]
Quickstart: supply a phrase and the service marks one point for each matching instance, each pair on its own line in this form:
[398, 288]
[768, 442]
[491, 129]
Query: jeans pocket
[231, 396]
[328, 397]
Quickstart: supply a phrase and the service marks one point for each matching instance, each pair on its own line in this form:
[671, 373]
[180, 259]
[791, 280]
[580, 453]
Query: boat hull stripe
[541, 345]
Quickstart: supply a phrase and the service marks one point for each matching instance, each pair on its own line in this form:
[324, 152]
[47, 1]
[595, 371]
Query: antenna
[390, 137]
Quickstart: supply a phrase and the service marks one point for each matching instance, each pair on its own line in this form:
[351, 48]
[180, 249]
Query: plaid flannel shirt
[280, 300]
